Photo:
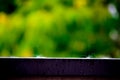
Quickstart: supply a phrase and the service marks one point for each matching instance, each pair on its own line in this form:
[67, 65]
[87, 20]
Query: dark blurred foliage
[8, 6]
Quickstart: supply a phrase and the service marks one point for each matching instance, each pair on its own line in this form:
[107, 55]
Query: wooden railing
[59, 69]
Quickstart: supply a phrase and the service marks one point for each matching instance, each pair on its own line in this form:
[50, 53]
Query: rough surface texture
[66, 78]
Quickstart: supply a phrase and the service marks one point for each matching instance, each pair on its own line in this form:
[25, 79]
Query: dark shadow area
[33, 68]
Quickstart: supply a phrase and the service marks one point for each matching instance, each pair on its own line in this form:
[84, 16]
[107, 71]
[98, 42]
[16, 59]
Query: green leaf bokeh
[60, 28]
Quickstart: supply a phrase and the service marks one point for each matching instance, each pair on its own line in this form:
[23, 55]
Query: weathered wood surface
[32, 69]
[65, 78]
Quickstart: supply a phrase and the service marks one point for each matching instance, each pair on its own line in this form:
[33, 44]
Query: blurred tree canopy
[60, 28]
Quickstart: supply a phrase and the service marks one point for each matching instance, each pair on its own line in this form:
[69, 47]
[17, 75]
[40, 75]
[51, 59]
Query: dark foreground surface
[65, 78]
[64, 69]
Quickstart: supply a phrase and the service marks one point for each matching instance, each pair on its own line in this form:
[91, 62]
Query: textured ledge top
[59, 67]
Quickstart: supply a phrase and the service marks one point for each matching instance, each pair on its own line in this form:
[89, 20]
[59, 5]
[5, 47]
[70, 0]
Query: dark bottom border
[59, 67]
[66, 78]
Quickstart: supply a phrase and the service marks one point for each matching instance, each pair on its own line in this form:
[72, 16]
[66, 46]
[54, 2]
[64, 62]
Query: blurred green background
[60, 28]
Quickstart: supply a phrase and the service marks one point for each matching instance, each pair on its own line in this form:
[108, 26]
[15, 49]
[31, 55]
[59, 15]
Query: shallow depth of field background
[60, 28]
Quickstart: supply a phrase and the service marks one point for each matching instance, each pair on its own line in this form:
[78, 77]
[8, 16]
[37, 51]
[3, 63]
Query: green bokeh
[59, 28]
